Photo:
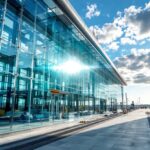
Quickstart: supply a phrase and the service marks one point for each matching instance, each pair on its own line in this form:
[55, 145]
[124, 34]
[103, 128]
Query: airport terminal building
[51, 67]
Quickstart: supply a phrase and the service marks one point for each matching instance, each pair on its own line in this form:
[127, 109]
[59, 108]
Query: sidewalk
[48, 128]
[127, 132]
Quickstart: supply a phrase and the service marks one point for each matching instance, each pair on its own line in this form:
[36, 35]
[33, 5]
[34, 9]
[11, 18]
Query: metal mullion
[16, 66]
[44, 68]
[32, 65]
[48, 70]
[2, 20]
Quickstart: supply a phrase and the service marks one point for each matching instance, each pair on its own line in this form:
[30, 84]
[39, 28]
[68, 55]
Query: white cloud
[147, 5]
[132, 10]
[135, 67]
[92, 11]
[120, 21]
[131, 25]
[126, 40]
[137, 22]
[108, 33]
[142, 43]
[113, 46]
[119, 13]
[138, 52]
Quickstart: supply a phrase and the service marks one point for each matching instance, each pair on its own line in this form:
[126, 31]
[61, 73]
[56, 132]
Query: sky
[122, 28]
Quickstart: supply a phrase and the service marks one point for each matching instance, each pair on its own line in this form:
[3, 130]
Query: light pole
[126, 100]
[139, 102]
[122, 93]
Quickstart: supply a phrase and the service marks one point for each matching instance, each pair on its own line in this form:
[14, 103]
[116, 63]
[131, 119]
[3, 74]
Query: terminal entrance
[103, 106]
[59, 107]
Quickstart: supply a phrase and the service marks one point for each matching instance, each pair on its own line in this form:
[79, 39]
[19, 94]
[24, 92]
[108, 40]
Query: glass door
[59, 107]
[64, 110]
[102, 105]
[55, 107]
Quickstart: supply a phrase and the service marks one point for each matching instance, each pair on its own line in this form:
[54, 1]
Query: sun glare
[71, 67]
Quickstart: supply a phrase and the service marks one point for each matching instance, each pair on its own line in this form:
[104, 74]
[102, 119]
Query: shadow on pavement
[133, 135]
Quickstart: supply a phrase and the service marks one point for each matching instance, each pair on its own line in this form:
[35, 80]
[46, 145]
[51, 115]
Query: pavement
[127, 132]
[48, 128]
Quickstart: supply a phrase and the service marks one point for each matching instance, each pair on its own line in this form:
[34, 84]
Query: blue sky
[122, 28]
[106, 7]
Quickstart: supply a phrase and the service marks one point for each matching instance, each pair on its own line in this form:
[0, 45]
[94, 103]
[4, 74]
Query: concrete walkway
[49, 127]
[128, 132]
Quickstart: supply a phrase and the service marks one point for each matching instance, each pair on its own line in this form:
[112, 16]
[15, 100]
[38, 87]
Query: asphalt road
[128, 132]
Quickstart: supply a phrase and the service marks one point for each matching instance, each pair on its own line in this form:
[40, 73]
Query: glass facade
[34, 40]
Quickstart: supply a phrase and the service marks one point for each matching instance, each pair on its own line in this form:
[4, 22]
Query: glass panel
[6, 94]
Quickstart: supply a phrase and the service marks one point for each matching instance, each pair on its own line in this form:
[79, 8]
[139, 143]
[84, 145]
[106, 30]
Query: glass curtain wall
[34, 39]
